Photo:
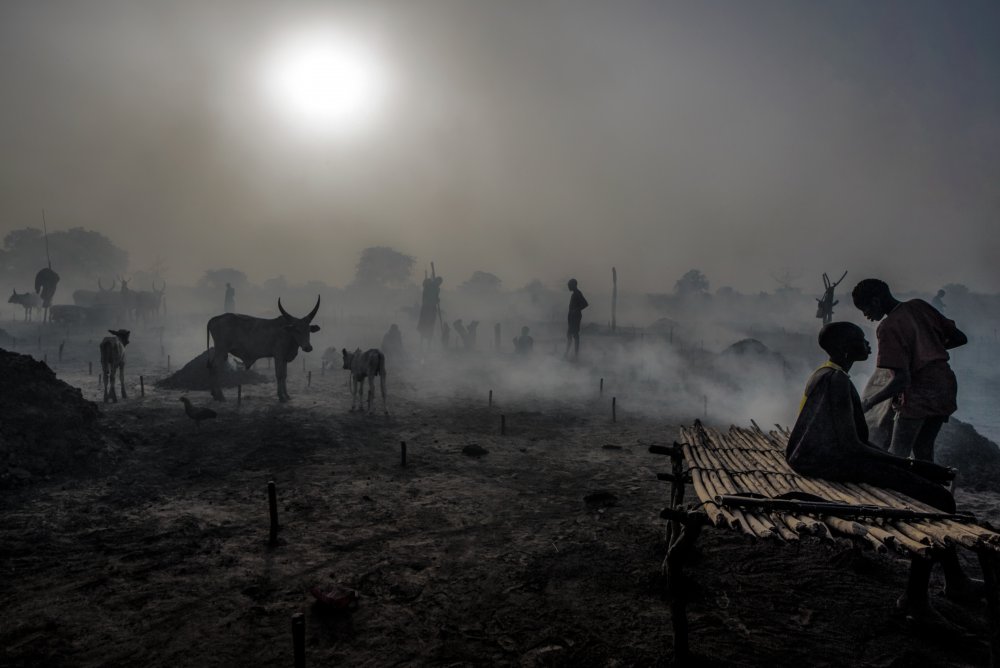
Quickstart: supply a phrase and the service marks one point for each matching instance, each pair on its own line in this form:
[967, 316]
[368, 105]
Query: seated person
[392, 343]
[830, 436]
[830, 440]
[524, 343]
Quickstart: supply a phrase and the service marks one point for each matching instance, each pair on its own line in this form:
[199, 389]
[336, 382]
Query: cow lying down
[363, 365]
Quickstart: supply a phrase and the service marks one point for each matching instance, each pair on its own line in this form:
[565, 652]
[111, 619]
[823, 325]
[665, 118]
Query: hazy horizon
[530, 140]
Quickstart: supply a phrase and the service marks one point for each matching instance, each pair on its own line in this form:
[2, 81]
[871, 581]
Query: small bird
[197, 414]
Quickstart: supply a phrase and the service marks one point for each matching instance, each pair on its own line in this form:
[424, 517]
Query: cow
[46, 281]
[250, 339]
[26, 299]
[148, 303]
[363, 365]
[112, 360]
[101, 296]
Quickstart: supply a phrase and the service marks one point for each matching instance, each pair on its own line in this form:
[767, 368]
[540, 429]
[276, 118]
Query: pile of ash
[47, 426]
[194, 375]
[976, 457]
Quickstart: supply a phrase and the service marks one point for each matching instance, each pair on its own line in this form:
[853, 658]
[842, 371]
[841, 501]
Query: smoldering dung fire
[503, 557]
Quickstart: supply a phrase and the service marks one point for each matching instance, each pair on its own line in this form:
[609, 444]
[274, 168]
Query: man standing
[913, 344]
[230, 302]
[577, 303]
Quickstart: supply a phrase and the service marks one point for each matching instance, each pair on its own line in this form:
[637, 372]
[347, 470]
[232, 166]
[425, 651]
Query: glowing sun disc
[324, 81]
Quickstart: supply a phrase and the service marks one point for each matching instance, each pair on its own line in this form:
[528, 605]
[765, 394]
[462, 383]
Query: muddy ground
[161, 557]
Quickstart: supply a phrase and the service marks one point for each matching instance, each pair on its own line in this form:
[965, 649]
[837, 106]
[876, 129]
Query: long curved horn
[312, 313]
[100, 286]
[282, 309]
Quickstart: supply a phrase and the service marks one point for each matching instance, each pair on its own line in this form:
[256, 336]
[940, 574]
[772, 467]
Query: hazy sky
[525, 138]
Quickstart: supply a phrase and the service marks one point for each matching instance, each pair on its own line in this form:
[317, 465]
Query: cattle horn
[282, 309]
[312, 313]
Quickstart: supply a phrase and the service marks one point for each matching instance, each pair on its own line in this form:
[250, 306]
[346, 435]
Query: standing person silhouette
[577, 302]
[913, 344]
[230, 303]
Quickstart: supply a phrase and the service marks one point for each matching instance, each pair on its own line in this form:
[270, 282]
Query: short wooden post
[272, 506]
[491, 399]
[309, 379]
[614, 409]
[239, 395]
[303, 363]
[503, 425]
[600, 391]
[704, 400]
[496, 336]
[45, 358]
[299, 639]
[402, 453]
[168, 363]
[322, 368]
[90, 368]
[142, 387]
[61, 346]
[678, 587]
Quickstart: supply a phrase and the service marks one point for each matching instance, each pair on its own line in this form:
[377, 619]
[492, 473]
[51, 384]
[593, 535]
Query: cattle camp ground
[522, 528]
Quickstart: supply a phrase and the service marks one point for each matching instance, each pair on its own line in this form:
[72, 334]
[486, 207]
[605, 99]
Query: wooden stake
[299, 639]
[90, 368]
[168, 363]
[142, 387]
[309, 379]
[322, 369]
[600, 392]
[61, 346]
[303, 363]
[491, 398]
[614, 409]
[45, 358]
[272, 506]
[503, 425]
[402, 453]
[239, 395]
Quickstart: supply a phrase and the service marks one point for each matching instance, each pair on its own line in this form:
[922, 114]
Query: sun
[324, 82]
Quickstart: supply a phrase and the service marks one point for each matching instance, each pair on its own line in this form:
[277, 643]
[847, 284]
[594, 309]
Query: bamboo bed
[724, 467]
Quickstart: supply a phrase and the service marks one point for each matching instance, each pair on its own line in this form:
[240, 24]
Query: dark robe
[830, 440]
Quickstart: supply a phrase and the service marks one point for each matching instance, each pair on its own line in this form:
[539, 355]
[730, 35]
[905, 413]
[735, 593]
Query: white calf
[363, 365]
[112, 360]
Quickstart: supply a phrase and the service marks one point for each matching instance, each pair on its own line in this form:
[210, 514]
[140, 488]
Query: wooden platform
[750, 463]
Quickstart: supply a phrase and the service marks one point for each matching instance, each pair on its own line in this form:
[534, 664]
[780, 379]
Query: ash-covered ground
[544, 550]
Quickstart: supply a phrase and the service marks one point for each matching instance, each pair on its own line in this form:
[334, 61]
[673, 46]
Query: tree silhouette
[381, 266]
[692, 283]
[81, 255]
[481, 281]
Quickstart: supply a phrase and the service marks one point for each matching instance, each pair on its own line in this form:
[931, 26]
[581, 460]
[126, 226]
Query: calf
[363, 365]
[27, 300]
[113, 359]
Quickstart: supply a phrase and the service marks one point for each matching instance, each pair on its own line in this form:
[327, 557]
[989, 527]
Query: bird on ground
[197, 414]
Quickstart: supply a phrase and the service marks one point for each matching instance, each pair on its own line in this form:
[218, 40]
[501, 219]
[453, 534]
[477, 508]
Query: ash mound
[976, 457]
[47, 427]
[194, 375]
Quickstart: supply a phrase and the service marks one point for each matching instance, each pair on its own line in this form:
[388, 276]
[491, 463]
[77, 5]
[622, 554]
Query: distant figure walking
[230, 304]
[430, 302]
[392, 343]
[577, 302]
[524, 343]
[938, 300]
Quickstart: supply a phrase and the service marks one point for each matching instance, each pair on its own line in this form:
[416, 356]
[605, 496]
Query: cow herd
[249, 339]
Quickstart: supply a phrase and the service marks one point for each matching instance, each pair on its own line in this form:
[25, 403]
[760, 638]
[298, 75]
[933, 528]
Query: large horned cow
[147, 303]
[250, 339]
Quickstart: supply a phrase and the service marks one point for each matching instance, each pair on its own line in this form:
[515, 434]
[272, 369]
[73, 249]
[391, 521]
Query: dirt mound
[194, 375]
[976, 457]
[47, 425]
[747, 347]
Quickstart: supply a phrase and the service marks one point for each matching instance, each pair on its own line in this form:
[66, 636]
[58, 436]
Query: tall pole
[45, 228]
[614, 297]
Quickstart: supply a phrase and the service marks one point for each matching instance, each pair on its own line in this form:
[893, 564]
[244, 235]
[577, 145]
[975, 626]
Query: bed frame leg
[991, 575]
[678, 583]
